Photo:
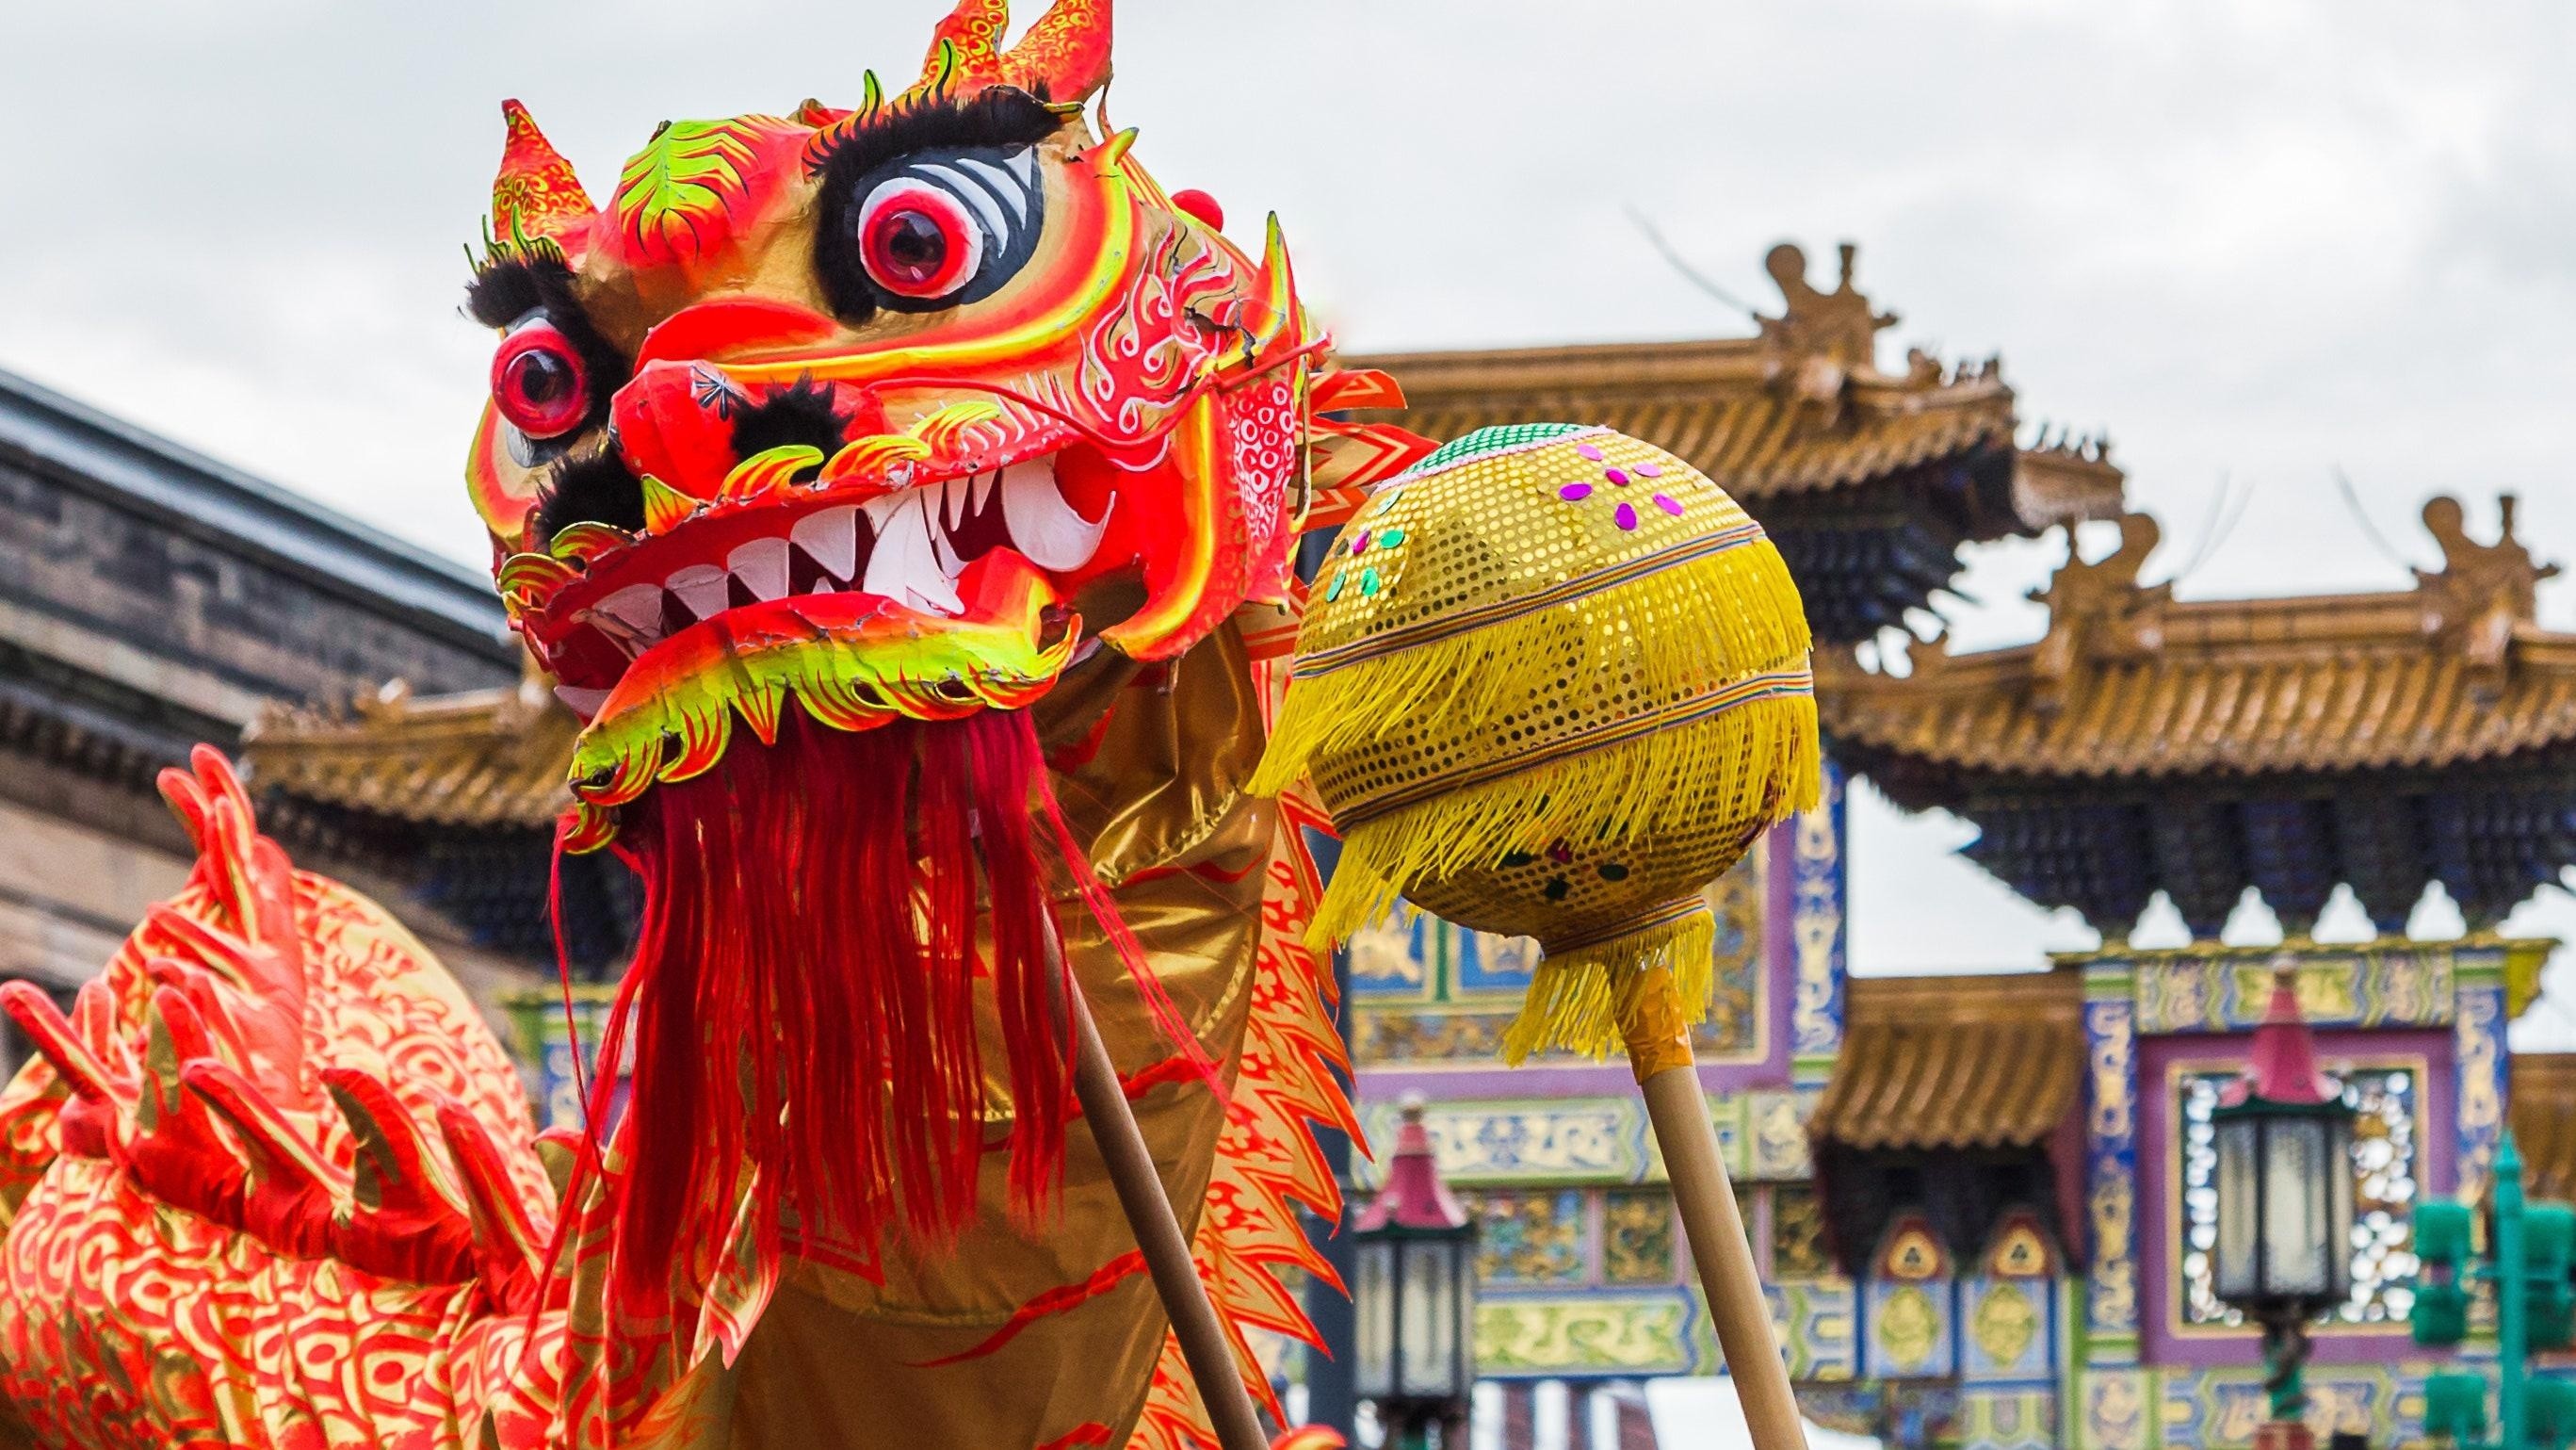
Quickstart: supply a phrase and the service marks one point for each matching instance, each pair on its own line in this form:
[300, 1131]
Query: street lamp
[1416, 1295]
[2285, 1210]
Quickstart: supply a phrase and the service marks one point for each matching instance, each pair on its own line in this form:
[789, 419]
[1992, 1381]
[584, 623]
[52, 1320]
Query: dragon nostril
[804, 412]
[590, 487]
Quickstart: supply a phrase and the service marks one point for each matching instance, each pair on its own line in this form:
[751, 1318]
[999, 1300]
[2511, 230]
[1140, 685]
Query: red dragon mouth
[908, 547]
[865, 603]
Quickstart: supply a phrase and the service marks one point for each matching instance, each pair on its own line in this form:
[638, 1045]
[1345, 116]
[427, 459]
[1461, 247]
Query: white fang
[905, 566]
[1044, 528]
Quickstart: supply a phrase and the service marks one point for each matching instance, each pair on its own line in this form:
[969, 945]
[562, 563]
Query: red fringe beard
[803, 998]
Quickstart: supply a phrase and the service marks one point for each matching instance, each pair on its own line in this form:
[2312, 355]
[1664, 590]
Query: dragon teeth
[914, 560]
[761, 565]
[701, 588]
[907, 565]
[831, 539]
[637, 606]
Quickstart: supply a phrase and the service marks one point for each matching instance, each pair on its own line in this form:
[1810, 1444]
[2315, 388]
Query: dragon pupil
[544, 379]
[911, 246]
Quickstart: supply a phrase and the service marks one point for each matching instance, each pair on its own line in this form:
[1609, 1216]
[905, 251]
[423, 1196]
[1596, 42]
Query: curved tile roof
[490, 758]
[2129, 683]
[1955, 1062]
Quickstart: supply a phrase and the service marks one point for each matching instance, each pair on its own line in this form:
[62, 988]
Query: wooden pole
[1158, 1230]
[1655, 1023]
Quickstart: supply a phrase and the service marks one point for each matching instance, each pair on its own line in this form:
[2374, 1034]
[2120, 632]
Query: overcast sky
[2257, 241]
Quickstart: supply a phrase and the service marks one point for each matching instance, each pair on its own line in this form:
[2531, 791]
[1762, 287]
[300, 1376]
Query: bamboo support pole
[1667, 1076]
[1158, 1230]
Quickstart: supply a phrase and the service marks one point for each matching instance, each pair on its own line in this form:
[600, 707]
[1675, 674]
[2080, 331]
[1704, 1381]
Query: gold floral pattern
[2004, 1324]
[1637, 1236]
[1798, 1234]
[1530, 1236]
[1909, 1329]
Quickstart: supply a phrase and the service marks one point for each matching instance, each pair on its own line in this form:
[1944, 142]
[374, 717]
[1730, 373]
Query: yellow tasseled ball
[1551, 682]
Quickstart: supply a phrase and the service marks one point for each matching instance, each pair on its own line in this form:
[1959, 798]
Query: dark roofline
[227, 508]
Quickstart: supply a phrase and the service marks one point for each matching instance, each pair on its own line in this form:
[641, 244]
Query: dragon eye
[539, 382]
[916, 240]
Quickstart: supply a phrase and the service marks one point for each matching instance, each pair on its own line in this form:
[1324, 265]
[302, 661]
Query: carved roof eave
[2320, 685]
[1502, 379]
[487, 758]
[1793, 415]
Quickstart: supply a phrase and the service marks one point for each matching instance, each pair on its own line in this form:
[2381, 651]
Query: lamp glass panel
[1467, 1313]
[2236, 1268]
[1428, 1338]
[2298, 1245]
[1373, 1292]
[2340, 1226]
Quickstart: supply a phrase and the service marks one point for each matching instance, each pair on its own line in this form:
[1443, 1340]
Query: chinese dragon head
[896, 410]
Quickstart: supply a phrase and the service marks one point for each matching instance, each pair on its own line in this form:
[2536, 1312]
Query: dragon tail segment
[271, 1114]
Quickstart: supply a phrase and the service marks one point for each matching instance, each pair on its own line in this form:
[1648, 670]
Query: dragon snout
[690, 425]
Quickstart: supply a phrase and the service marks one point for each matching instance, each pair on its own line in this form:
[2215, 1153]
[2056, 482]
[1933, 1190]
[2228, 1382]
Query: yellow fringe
[1756, 764]
[1712, 620]
[1578, 1001]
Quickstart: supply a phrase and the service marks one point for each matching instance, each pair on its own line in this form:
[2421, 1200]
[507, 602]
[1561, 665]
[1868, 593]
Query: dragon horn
[536, 194]
[966, 49]
[1065, 55]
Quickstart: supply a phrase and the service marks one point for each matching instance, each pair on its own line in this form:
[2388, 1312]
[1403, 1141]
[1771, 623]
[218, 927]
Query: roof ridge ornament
[1840, 325]
[2098, 609]
[1828, 338]
[2482, 592]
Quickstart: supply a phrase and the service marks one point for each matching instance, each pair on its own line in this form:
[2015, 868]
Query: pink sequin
[1575, 492]
[1615, 476]
[1627, 516]
[1588, 451]
[1360, 544]
[1665, 502]
[1650, 470]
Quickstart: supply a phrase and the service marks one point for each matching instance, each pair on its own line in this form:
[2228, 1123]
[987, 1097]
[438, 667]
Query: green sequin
[1389, 538]
[1335, 593]
[1494, 440]
[1368, 581]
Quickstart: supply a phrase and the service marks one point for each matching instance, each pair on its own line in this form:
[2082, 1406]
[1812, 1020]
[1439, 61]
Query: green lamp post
[2535, 1309]
[2285, 1207]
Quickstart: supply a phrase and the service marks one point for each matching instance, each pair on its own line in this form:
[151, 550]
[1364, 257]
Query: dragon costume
[904, 495]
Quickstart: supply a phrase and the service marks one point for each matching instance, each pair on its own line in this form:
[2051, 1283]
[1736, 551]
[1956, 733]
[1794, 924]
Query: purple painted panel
[2161, 1340]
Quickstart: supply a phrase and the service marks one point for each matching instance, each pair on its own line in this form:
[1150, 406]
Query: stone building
[151, 598]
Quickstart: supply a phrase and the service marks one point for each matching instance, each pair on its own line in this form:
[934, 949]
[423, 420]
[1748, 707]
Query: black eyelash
[945, 143]
[994, 116]
[507, 289]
